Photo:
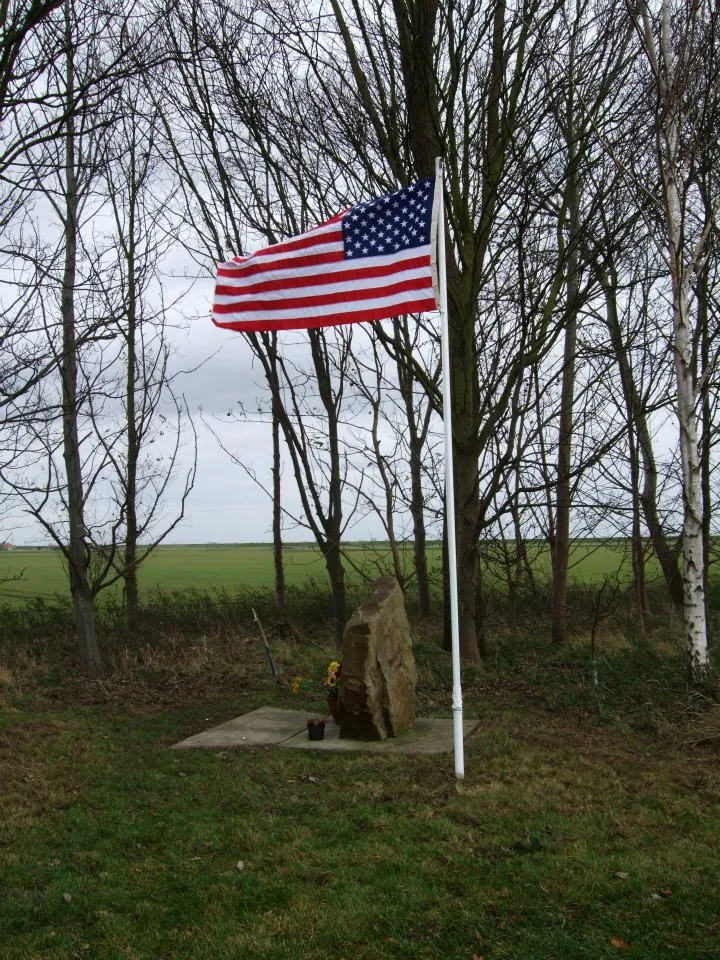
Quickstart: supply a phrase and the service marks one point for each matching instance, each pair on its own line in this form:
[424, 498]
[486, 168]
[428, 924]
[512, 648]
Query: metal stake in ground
[274, 669]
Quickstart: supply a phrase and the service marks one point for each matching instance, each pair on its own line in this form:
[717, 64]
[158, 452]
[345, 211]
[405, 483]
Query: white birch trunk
[692, 548]
[681, 274]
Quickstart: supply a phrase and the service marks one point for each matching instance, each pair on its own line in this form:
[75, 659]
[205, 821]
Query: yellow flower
[333, 675]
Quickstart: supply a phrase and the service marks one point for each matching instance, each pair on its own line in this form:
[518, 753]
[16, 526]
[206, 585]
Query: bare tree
[239, 174]
[680, 44]
[596, 67]
[64, 476]
[143, 463]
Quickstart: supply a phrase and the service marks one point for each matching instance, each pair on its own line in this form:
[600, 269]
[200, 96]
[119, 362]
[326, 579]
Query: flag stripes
[317, 279]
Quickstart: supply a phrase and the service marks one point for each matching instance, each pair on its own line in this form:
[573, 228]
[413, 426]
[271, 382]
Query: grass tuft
[6, 679]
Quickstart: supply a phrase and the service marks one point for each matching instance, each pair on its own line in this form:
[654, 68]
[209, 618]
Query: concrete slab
[269, 726]
[263, 727]
[429, 735]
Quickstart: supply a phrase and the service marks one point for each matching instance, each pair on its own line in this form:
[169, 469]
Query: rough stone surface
[377, 698]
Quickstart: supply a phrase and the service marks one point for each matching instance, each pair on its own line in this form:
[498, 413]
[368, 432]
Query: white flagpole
[449, 482]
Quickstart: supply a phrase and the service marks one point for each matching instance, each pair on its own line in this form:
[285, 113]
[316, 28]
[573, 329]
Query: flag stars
[399, 221]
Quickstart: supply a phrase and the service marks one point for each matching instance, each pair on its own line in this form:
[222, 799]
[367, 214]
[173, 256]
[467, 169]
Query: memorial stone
[377, 699]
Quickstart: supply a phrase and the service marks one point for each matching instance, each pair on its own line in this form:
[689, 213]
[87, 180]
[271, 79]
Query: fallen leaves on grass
[619, 944]
[663, 895]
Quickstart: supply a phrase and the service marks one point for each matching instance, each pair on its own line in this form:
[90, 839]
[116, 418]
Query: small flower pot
[316, 730]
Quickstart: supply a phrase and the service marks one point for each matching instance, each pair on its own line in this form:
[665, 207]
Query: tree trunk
[692, 548]
[675, 203]
[707, 425]
[672, 59]
[416, 443]
[563, 489]
[336, 572]
[466, 481]
[85, 620]
[416, 28]
[78, 550]
[385, 479]
[277, 516]
[667, 558]
[521, 564]
[333, 523]
[420, 540]
[561, 553]
[133, 443]
[480, 611]
[417, 512]
[638, 556]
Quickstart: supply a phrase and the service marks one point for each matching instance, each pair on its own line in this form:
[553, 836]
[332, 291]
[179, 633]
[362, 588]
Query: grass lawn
[229, 566]
[577, 833]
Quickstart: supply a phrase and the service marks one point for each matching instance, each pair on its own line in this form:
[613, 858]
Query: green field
[207, 567]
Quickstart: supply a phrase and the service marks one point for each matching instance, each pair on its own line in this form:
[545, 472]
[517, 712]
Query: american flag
[374, 261]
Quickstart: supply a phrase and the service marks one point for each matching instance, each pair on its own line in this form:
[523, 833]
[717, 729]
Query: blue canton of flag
[387, 225]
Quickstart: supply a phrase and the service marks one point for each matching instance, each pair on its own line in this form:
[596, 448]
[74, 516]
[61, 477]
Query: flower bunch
[332, 678]
[330, 683]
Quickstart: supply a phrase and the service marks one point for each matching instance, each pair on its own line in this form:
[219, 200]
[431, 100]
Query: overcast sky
[225, 505]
